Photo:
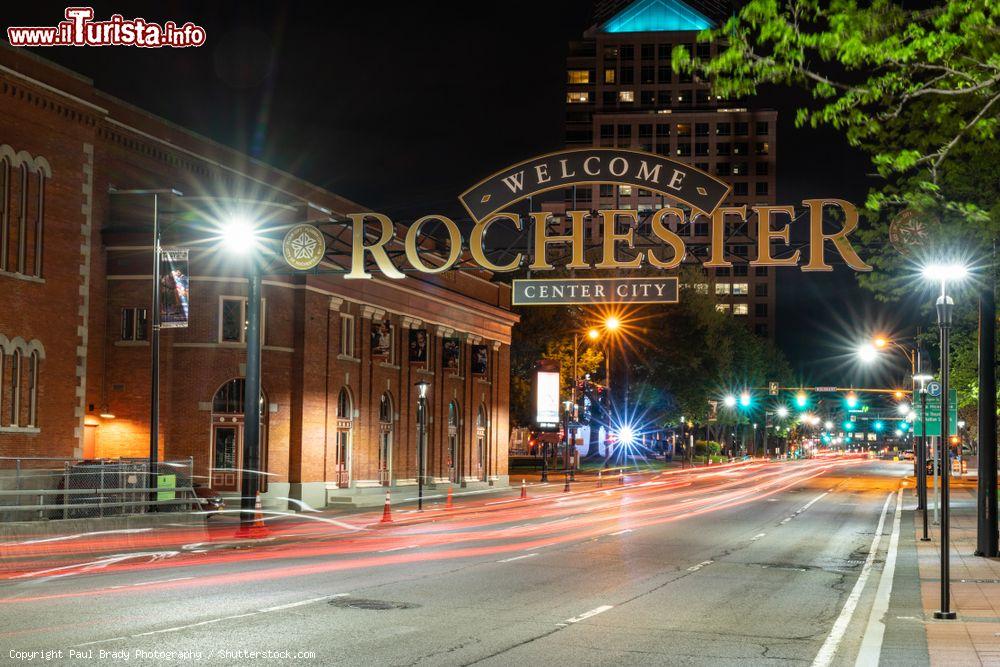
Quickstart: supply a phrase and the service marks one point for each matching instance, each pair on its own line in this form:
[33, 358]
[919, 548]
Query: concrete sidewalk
[974, 638]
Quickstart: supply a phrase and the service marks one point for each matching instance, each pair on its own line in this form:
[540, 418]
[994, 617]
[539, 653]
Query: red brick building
[75, 298]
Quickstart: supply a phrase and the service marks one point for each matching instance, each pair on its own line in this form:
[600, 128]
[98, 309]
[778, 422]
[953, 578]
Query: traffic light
[852, 400]
[848, 425]
[878, 425]
[801, 399]
[745, 399]
[904, 426]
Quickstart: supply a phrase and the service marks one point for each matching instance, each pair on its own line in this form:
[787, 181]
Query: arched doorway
[344, 439]
[454, 443]
[385, 416]
[481, 444]
[227, 437]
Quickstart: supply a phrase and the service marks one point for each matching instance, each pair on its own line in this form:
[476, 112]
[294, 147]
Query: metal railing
[37, 488]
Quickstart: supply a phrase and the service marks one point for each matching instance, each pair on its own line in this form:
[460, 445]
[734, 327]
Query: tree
[918, 90]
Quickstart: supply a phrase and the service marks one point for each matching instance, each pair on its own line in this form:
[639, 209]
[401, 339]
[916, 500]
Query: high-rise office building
[621, 91]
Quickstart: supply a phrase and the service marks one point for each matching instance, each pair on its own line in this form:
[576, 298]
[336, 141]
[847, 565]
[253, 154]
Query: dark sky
[401, 106]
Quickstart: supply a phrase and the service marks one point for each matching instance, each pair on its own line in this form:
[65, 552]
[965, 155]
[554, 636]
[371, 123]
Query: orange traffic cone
[447, 504]
[257, 528]
[387, 510]
[524, 490]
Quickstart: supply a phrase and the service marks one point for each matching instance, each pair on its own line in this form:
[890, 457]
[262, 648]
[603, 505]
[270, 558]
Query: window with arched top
[230, 397]
[4, 211]
[481, 417]
[453, 414]
[33, 388]
[15, 387]
[385, 409]
[344, 407]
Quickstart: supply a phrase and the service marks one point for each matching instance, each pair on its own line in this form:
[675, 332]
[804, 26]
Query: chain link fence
[37, 488]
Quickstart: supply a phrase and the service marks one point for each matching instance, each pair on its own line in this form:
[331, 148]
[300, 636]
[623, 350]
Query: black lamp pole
[421, 439]
[945, 305]
[250, 482]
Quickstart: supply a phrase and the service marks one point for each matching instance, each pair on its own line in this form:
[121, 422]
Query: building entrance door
[227, 441]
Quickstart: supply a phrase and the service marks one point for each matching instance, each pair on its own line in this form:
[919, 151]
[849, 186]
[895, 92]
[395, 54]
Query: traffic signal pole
[986, 520]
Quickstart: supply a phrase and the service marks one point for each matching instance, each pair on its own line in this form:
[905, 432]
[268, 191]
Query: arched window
[33, 389]
[453, 414]
[454, 443]
[15, 387]
[385, 439]
[385, 409]
[344, 410]
[481, 417]
[230, 397]
[4, 212]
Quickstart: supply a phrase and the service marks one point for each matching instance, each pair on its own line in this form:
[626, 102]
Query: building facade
[340, 359]
[621, 91]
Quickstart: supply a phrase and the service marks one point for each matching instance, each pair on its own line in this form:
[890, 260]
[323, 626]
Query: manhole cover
[370, 605]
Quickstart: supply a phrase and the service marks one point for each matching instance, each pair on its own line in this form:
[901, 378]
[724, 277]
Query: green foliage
[917, 89]
[713, 447]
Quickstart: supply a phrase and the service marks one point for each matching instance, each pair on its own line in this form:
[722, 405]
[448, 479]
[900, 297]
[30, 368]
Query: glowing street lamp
[729, 401]
[782, 411]
[828, 425]
[903, 408]
[944, 273]
[867, 353]
[238, 236]
[612, 323]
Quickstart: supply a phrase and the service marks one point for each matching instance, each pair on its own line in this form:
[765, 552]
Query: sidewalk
[974, 638]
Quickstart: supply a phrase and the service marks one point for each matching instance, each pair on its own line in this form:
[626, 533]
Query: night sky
[401, 106]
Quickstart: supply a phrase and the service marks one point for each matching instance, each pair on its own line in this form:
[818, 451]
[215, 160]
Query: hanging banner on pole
[174, 295]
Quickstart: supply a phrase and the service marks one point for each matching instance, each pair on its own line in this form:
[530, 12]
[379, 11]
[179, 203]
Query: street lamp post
[922, 377]
[251, 401]
[945, 306]
[154, 341]
[421, 439]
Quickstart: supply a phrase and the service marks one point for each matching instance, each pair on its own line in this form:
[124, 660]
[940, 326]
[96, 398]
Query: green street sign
[934, 415]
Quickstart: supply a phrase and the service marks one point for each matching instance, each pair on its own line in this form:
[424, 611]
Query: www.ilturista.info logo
[80, 29]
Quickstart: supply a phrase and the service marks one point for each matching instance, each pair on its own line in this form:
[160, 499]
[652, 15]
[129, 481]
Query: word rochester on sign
[698, 192]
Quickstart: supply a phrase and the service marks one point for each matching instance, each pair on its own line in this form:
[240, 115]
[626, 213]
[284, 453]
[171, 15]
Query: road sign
[826, 389]
[772, 388]
[934, 414]
[934, 388]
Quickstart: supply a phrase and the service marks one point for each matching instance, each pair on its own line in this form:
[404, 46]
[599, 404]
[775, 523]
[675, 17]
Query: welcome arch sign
[487, 202]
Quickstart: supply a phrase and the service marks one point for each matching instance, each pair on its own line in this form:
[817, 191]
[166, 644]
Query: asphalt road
[751, 565]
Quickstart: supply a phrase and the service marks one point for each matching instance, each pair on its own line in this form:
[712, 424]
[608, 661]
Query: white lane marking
[210, 621]
[622, 532]
[587, 614]
[785, 520]
[812, 502]
[695, 568]
[829, 648]
[871, 643]
[301, 603]
[411, 546]
[757, 537]
[149, 583]
[507, 560]
[541, 546]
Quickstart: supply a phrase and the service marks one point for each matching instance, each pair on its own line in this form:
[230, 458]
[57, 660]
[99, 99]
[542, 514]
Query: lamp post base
[945, 615]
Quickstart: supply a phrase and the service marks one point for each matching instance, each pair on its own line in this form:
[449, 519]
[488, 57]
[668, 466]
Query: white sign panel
[547, 398]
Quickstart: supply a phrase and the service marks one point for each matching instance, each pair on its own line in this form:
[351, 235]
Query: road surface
[754, 564]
